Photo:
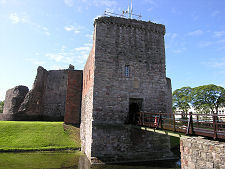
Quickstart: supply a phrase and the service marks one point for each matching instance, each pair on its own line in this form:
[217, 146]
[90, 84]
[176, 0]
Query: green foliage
[36, 136]
[208, 97]
[1, 106]
[204, 98]
[182, 98]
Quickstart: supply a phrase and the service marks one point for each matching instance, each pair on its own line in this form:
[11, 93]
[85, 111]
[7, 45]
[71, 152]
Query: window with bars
[127, 71]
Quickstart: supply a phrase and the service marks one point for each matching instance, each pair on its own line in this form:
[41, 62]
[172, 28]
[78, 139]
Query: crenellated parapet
[133, 23]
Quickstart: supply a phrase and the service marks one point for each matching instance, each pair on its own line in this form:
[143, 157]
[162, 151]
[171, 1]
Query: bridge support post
[215, 126]
[174, 123]
[190, 124]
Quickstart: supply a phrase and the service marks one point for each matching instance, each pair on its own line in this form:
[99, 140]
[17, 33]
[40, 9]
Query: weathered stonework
[14, 97]
[32, 104]
[201, 153]
[121, 45]
[54, 96]
[47, 98]
[73, 97]
[124, 143]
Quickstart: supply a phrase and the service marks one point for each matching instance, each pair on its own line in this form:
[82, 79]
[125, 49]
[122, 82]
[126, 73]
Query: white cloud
[88, 44]
[205, 43]
[220, 44]
[14, 18]
[96, 17]
[219, 34]
[39, 27]
[89, 36]
[173, 36]
[215, 13]
[195, 33]
[150, 9]
[150, 5]
[3, 1]
[55, 56]
[170, 39]
[107, 3]
[221, 41]
[83, 48]
[36, 61]
[56, 67]
[37, 53]
[177, 51]
[84, 5]
[70, 56]
[221, 48]
[69, 3]
[175, 43]
[23, 18]
[218, 63]
[152, 2]
[72, 28]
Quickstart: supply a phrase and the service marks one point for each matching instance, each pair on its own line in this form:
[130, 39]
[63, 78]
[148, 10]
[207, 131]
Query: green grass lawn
[19, 135]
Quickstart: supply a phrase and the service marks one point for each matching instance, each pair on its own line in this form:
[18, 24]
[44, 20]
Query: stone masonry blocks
[119, 43]
[201, 153]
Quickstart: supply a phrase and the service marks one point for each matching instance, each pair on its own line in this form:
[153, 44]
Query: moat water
[68, 160]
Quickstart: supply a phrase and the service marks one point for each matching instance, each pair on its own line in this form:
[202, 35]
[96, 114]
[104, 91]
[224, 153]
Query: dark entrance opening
[135, 106]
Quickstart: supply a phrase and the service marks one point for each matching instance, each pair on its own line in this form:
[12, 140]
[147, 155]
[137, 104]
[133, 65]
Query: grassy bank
[20, 136]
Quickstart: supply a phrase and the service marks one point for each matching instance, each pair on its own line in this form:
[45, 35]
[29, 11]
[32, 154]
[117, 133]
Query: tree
[1, 106]
[208, 96]
[182, 99]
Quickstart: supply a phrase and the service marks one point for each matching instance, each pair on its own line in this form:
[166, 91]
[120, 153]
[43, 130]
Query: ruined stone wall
[73, 97]
[32, 104]
[13, 99]
[54, 96]
[201, 153]
[47, 98]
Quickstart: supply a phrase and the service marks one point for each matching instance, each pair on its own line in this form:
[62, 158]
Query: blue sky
[55, 33]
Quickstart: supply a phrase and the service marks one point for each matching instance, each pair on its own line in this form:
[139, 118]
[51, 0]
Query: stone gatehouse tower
[125, 73]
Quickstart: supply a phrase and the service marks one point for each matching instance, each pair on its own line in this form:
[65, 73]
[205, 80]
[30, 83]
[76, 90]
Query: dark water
[68, 160]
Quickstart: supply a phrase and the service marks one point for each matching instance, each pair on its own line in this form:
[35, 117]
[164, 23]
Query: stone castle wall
[54, 96]
[201, 153]
[14, 98]
[118, 43]
[47, 98]
[140, 46]
[125, 143]
[87, 103]
[73, 97]
[32, 104]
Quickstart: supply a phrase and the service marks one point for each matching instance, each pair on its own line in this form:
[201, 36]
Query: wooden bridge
[208, 125]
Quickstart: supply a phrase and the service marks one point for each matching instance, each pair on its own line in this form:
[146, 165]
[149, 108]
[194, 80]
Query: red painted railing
[208, 125]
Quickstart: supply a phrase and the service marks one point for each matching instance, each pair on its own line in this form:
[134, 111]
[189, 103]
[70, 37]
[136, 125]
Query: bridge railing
[209, 125]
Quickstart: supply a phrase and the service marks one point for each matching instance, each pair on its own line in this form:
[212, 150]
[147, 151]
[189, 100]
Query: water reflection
[85, 164]
[67, 160]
